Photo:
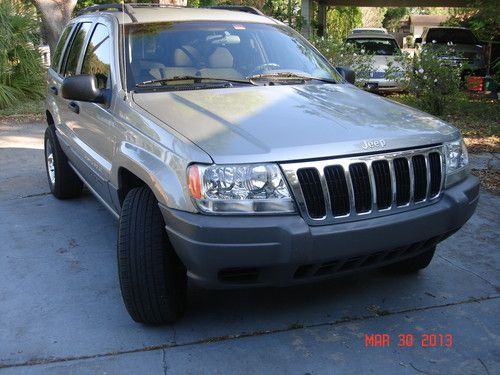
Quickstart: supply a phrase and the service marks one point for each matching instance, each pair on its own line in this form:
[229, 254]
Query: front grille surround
[433, 190]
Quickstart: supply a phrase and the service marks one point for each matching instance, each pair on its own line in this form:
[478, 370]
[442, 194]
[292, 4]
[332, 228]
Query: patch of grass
[477, 117]
[24, 111]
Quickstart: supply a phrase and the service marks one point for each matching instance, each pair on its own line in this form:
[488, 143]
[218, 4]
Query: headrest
[220, 58]
[184, 56]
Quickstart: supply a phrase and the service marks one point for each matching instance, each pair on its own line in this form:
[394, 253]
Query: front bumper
[384, 85]
[237, 251]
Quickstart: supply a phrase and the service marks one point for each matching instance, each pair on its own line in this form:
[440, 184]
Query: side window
[97, 60]
[56, 56]
[75, 49]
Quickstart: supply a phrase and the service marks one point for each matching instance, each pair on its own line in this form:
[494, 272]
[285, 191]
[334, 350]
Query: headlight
[457, 162]
[239, 189]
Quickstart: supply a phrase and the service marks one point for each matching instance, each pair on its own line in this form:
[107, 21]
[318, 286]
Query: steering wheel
[264, 67]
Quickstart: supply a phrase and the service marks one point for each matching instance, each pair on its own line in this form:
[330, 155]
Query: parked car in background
[465, 48]
[364, 30]
[384, 48]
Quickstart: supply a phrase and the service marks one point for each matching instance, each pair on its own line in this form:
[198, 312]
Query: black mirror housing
[83, 88]
[348, 74]
[418, 41]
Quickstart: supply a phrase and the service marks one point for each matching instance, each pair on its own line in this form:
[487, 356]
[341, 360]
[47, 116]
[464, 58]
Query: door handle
[74, 107]
[53, 90]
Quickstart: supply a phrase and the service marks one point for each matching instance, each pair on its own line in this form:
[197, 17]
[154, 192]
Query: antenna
[124, 58]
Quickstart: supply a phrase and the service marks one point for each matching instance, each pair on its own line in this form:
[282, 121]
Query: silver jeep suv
[235, 155]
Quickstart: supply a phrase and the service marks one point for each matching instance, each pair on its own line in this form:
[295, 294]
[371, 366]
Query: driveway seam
[496, 287]
[210, 340]
[164, 361]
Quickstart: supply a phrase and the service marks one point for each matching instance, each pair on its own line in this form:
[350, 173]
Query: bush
[21, 70]
[430, 76]
[346, 55]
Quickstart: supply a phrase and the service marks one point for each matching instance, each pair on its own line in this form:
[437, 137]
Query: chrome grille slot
[435, 169]
[382, 177]
[420, 178]
[358, 187]
[337, 188]
[361, 186]
[313, 193]
[402, 172]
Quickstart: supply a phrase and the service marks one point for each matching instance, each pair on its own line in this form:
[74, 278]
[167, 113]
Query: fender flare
[156, 173]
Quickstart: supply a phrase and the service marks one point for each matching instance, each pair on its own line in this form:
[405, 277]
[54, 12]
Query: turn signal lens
[194, 182]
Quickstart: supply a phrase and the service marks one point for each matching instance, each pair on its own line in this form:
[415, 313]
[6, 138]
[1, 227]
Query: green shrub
[346, 55]
[21, 70]
[431, 76]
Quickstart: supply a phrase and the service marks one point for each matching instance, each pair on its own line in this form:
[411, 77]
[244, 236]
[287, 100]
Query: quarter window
[97, 60]
[76, 48]
[60, 45]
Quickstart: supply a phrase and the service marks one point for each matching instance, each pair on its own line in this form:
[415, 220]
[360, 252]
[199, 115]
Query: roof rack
[238, 8]
[154, 5]
[126, 8]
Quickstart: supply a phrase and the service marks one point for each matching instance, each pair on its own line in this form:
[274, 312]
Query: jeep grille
[358, 187]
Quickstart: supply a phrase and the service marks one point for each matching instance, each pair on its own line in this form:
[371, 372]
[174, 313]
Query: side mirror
[83, 88]
[348, 74]
[417, 41]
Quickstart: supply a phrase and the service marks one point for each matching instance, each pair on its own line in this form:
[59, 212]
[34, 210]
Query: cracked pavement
[61, 310]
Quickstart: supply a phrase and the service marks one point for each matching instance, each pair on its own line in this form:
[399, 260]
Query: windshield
[455, 36]
[221, 50]
[384, 47]
[366, 30]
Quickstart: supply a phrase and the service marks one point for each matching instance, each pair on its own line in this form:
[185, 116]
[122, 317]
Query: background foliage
[346, 55]
[21, 71]
[434, 82]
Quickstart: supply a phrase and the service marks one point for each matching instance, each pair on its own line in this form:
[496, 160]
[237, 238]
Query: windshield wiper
[289, 76]
[195, 79]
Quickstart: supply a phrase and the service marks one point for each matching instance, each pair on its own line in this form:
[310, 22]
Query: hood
[466, 47]
[381, 63]
[283, 123]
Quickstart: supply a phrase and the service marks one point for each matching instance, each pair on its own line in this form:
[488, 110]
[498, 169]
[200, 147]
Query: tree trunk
[55, 15]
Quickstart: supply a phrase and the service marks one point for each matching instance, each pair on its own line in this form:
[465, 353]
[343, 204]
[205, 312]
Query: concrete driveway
[61, 311]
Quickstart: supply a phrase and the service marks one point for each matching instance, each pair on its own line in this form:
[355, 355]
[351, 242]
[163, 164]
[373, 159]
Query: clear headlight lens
[239, 189]
[457, 161]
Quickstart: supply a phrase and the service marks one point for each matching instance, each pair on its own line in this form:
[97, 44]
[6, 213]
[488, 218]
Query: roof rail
[238, 8]
[126, 8]
[154, 5]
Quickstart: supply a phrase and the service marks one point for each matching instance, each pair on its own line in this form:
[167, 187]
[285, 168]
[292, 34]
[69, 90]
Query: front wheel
[411, 265]
[153, 280]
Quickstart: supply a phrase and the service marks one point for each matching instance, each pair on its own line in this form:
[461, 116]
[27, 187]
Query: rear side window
[56, 57]
[76, 48]
[97, 60]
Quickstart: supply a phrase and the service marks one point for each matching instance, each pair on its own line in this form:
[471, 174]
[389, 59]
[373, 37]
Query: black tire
[63, 181]
[153, 280]
[411, 265]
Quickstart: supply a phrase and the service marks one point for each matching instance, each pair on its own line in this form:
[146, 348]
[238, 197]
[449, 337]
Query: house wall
[417, 31]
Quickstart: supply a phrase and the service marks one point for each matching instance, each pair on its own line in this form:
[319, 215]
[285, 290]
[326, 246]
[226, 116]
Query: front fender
[164, 173]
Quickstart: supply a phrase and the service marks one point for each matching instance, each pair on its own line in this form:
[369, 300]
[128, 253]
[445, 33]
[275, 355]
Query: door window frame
[57, 67]
[86, 46]
[62, 68]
